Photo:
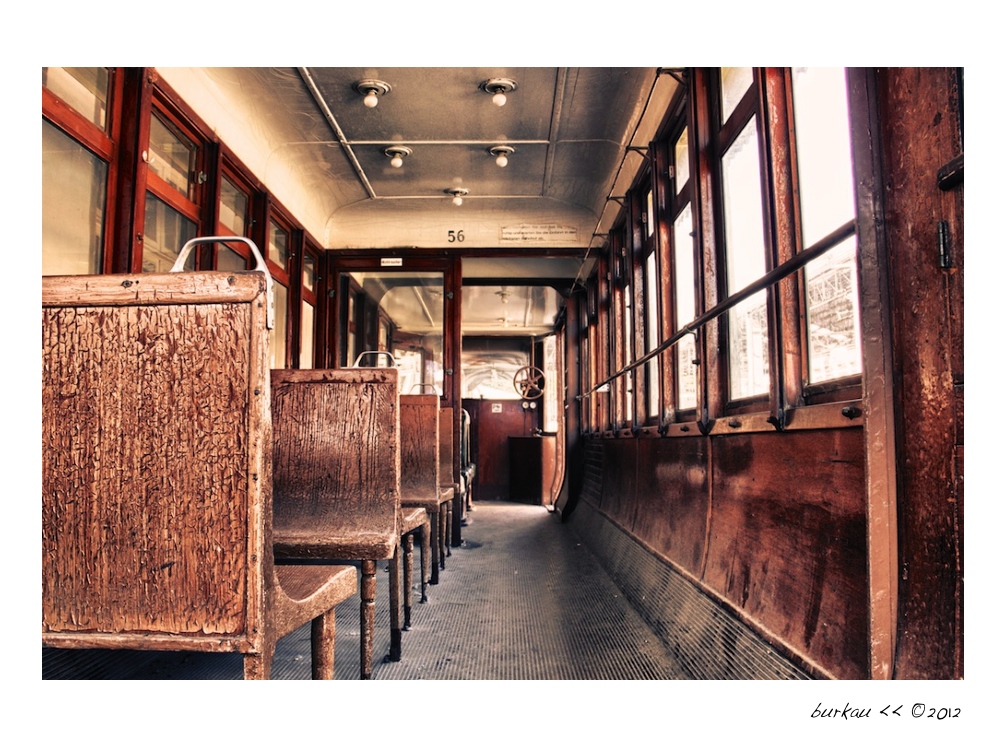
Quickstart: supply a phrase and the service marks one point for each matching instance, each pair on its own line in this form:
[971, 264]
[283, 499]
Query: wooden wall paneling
[618, 499]
[787, 543]
[672, 501]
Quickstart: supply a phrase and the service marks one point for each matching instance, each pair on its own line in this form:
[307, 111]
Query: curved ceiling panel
[570, 129]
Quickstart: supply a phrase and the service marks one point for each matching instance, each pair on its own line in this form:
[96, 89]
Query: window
[736, 82]
[278, 244]
[620, 324]
[652, 310]
[745, 263]
[648, 337]
[410, 307]
[826, 197]
[77, 153]
[684, 310]
[307, 342]
[776, 140]
[685, 384]
[552, 406]
[234, 221]
[86, 90]
[74, 195]
[173, 198]
[278, 250]
[744, 248]
[489, 365]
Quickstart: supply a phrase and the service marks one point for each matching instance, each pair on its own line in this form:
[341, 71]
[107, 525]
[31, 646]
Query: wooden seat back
[156, 462]
[336, 463]
[419, 441]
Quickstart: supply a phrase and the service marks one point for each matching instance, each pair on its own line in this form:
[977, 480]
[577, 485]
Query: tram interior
[734, 509]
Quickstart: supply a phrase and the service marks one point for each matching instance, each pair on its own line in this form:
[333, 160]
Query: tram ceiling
[572, 137]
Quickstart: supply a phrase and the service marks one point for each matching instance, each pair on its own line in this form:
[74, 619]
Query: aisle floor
[521, 599]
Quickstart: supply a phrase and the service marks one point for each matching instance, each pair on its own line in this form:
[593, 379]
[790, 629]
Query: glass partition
[401, 312]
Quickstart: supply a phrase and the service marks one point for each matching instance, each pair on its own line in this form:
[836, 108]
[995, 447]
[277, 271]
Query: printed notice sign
[537, 233]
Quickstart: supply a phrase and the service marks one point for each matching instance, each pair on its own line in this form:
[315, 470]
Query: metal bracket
[945, 261]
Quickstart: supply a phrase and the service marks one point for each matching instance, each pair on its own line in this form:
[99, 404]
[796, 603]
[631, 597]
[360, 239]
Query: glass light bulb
[499, 98]
[501, 159]
[396, 161]
[457, 200]
[371, 99]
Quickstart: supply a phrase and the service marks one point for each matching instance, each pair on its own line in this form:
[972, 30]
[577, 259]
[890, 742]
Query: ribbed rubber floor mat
[522, 599]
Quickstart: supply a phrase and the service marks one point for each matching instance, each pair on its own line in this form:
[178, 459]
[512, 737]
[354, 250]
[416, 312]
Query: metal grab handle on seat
[261, 265]
[423, 385]
[392, 359]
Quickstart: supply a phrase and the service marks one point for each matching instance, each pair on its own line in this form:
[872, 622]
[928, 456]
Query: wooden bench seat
[156, 473]
[337, 480]
[419, 432]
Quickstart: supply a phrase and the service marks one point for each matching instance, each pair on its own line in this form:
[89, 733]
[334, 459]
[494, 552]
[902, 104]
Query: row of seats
[194, 499]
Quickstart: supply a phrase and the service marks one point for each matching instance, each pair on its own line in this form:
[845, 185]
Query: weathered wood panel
[618, 496]
[145, 457]
[672, 510]
[336, 463]
[920, 120]
[420, 466]
[787, 540]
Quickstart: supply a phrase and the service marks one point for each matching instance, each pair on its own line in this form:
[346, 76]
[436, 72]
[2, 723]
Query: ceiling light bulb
[371, 99]
[501, 159]
[500, 98]
[457, 200]
[396, 161]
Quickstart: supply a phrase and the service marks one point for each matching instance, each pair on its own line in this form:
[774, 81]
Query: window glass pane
[628, 357]
[278, 358]
[489, 366]
[552, 389]
[228, 260]
[73, 196]
[652, 334]
[649, 213]
[171, 156]
[412, 306]
[684, 310]
[309, 272]
[832, 314]
[84, 89]
[826, 187]
[745, 263]
[308, 336]
[735, 82]
[682, 169]
[165, 233]
[233, 204]
[823, 147]
[277, 246]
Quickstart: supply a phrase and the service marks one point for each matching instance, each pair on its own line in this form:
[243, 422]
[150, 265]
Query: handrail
[773, 276]
[261, 265]
[377, 353]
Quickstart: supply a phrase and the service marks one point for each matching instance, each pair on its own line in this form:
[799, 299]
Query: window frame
[698, 110]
